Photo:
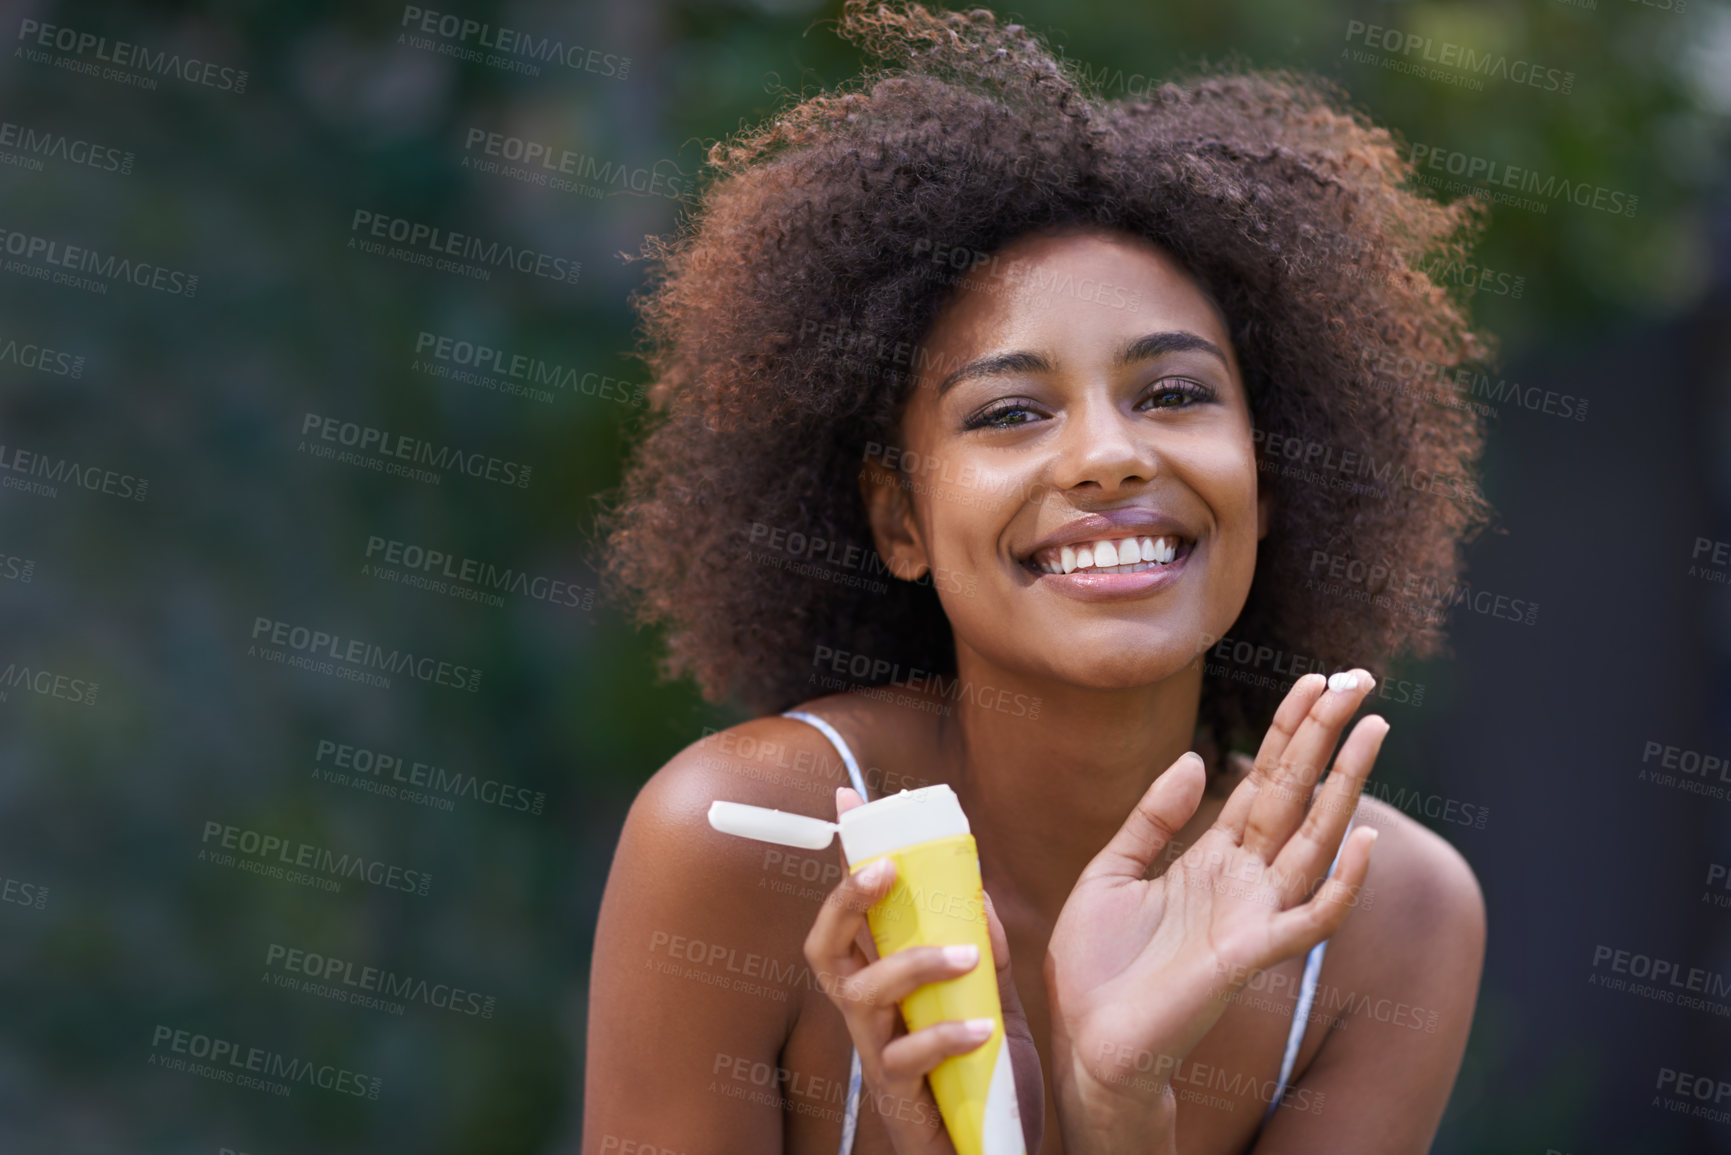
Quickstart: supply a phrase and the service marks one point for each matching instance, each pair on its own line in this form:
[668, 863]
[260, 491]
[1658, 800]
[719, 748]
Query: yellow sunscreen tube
[935, 900]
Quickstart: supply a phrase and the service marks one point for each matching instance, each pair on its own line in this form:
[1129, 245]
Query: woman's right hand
[867, 989]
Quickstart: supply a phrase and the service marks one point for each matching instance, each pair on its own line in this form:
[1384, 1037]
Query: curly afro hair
[778, 320]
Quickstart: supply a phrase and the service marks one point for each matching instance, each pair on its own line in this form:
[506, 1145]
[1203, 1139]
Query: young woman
[1031, 441]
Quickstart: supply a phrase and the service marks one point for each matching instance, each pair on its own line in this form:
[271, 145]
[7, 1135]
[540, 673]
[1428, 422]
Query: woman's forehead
[1081, 287]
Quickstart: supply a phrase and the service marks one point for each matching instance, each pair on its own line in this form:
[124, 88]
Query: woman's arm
[1402, 975]
[667, 1031]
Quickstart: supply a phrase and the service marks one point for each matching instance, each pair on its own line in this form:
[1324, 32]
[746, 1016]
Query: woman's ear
[889, 507]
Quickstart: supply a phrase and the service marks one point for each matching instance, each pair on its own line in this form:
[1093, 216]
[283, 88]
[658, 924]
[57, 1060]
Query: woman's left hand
[1138, 970]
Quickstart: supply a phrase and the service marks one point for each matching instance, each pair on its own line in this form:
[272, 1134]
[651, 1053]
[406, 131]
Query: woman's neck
[1048, 772]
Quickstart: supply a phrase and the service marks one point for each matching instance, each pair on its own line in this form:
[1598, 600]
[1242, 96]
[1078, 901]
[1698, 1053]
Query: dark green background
[105, 805]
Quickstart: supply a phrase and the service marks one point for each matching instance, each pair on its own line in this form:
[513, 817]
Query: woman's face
[1078, 391]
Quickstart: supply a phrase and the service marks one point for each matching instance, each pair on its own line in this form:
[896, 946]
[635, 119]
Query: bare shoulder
[774, 762]
[700, 939]
[770, 761]
[1404, 968]
[1422, 888]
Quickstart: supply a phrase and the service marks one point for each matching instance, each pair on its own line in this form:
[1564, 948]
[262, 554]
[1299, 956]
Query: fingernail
[965, 955]
[874, 874]
[979, 1028]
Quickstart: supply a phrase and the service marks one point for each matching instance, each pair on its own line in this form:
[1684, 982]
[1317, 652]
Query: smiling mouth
[1110, 555]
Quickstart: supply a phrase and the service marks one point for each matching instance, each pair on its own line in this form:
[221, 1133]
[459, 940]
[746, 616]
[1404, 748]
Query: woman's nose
[1103, 445]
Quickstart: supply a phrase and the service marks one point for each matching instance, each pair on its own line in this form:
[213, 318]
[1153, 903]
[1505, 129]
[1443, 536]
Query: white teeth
[1121, 556]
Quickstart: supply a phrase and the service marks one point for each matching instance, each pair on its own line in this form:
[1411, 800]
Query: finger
[1293, 708]
[1282, 797]
[1000, 940]
[1161, 812]
[1009, 998]
[1305, 857]
[914, 1054]
[830, 946]
[846, 798]
[888, 981]
[1295, 931]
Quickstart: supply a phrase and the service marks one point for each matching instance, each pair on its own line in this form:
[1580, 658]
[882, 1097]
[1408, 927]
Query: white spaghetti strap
[850, 1121]
[1306, 996]
[836, 741]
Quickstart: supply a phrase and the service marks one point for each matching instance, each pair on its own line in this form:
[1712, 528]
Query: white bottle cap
[867, 831]
[900, 820]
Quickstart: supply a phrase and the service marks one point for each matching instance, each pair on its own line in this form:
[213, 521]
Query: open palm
[1138, 970]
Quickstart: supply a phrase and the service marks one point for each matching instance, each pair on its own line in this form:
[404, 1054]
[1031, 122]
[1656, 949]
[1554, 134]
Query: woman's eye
[1179, 394]
[1001, 416]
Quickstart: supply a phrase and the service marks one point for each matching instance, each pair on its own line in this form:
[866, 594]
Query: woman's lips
[1109, 586]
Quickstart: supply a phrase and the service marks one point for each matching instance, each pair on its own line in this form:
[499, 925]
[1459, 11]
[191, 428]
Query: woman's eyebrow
[1143, 348]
